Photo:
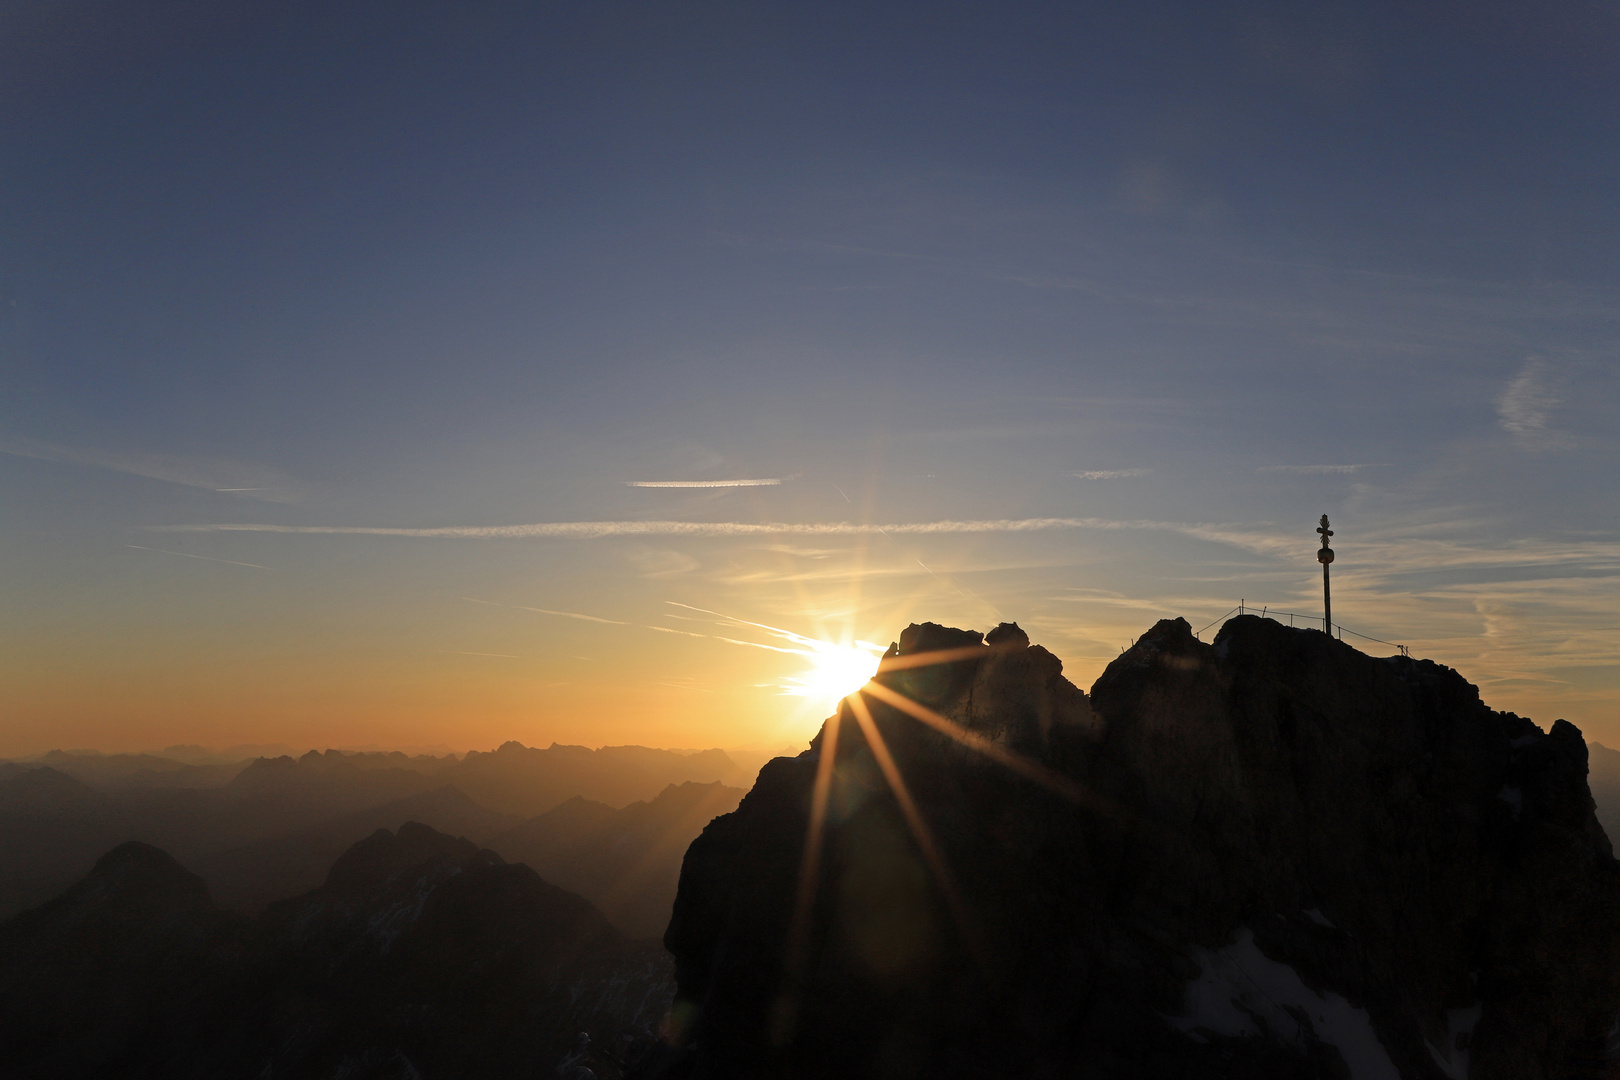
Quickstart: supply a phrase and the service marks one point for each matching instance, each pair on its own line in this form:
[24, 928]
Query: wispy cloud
[546, 611]
[592, 530]
[647, 626]
[661, 562]
[1318, 470]
[1111, 474]
[1394, 552]
[1526, 406]
[760, 482]
[809, 645]
[212, 474]
[682, 686]
[204, 558]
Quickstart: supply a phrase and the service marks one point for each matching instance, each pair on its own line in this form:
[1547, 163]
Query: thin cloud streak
[1317, 470]
[593, 530]
[546, 611]
[813, 644]
[763, 482]
[214, 474]
[644, 626]
[1111, 474]
[204, 558]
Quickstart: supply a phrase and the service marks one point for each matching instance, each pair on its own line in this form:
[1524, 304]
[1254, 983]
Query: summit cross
[1325, 556]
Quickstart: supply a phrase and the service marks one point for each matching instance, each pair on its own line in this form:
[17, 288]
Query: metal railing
[1295, 618]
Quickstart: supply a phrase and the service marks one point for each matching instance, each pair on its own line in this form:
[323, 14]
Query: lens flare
[834, 672]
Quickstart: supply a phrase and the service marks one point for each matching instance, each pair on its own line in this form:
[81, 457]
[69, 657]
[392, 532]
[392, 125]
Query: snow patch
[1316, 916]
[1524, 740]
[1243, 992]
[1453, 1061]
[1514, 798]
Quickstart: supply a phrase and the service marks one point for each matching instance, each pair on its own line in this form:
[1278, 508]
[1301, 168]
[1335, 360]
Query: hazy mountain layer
[249, 877]
[516, 779]
[628, 861]
[1603, 776]
[420, 956]
[245, 832]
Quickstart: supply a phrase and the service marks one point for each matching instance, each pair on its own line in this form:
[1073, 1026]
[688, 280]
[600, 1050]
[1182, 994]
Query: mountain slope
[45, 848]
[248, 877]
[1603, 776]
[626, 861]
[523, 780]
[114, 974]
[420, 955]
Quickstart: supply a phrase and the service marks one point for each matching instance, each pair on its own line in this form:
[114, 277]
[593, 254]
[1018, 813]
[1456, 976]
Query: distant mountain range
[626, 861]
[1603, 776]
[1272, 857]
[249, 877]
[419, 954]
[267, 829]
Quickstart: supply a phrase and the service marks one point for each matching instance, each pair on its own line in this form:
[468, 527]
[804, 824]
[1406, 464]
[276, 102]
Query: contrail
[546, 611]
[592, 530]
[205, 558]
[641, 626]
[1111, 474]
[767, 482]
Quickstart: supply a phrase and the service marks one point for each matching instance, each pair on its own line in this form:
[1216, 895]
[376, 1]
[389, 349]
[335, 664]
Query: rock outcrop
[1273, 856]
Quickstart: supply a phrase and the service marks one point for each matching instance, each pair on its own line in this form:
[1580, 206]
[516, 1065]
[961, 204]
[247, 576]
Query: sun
[835, 671]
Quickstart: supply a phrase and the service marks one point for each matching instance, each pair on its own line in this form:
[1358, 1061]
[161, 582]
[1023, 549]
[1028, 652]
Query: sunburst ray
[1018, 763]
[798, 943]
[920, 831]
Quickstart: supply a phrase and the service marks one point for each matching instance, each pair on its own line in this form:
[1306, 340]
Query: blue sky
[1180, 277]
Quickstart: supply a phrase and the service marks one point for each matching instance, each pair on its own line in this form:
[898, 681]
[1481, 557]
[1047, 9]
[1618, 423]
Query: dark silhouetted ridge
[423, 955]
[1271, 856]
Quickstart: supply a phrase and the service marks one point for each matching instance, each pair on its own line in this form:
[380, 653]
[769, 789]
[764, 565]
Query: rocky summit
[1271, 856]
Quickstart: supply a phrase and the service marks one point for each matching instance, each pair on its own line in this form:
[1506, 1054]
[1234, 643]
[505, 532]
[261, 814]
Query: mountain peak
[932, 637]
[134, 868]
[1273, 855]
[41, 787]
[383, 855]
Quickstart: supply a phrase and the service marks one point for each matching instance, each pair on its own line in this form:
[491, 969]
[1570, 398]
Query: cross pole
[1325, 556]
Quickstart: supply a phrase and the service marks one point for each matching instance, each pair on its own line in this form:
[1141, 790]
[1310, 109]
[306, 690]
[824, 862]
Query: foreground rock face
[1273, 856]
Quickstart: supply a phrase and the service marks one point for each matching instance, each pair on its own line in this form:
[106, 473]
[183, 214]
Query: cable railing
[1319, 621]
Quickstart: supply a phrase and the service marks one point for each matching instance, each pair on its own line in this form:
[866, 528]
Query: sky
[436, 375]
